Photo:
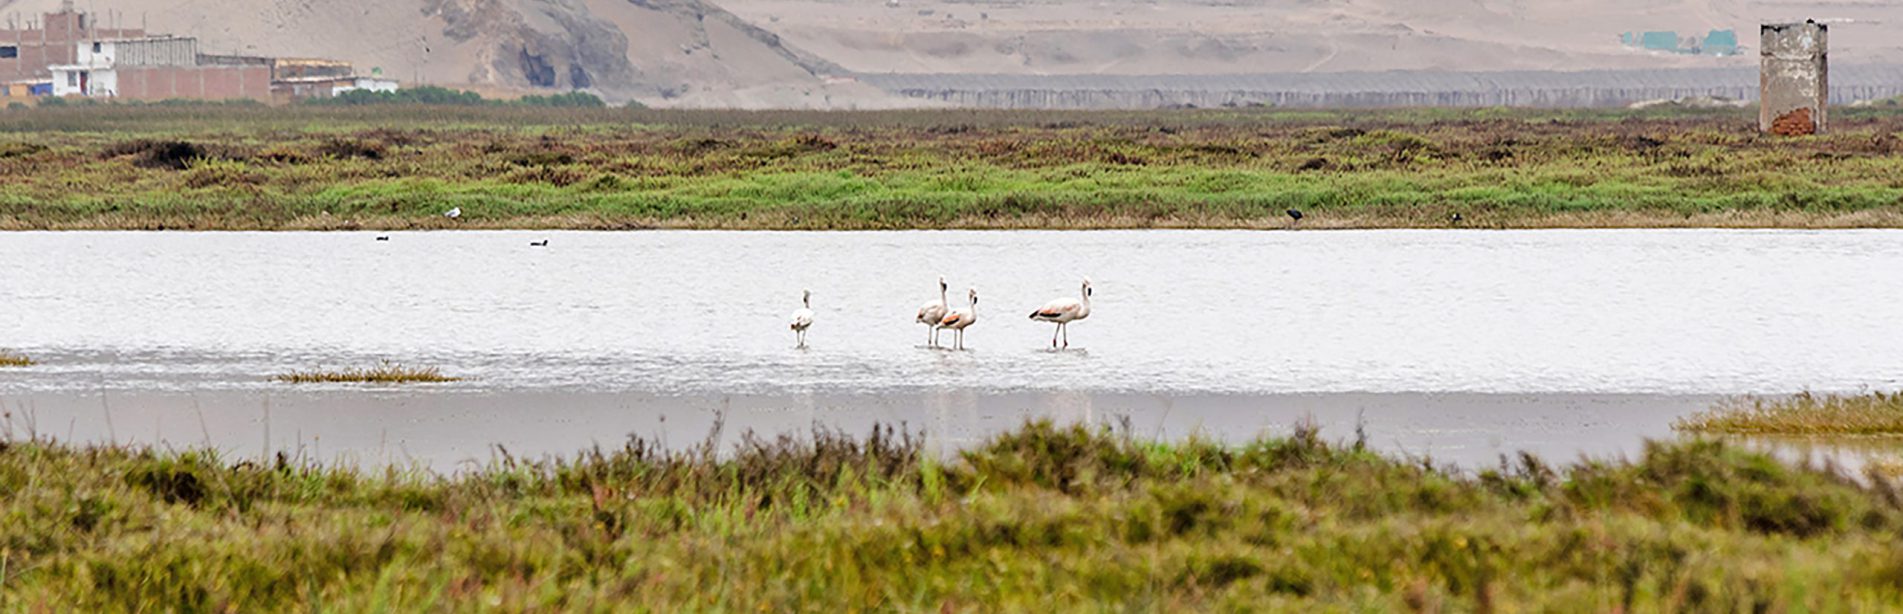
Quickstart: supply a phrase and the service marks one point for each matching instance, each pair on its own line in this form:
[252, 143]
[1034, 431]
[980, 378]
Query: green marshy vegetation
[383, 373]
[1043, 518]
[401, 166]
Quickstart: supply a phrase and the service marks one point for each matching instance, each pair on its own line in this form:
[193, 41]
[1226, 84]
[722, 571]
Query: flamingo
[930, 314]
[962, 319]
[803, 317]
[1062, 312]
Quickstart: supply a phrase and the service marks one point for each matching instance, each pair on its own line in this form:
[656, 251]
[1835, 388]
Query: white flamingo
[803, 317]
[962, 319]
[1062, 312]
[929, 314]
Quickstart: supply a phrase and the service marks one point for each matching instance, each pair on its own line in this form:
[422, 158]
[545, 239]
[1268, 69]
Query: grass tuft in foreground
[1042, 518]
[1803, 414]
[9, 358]
[385, 373]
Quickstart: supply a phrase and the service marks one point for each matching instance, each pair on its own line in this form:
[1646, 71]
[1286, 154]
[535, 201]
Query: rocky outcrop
[552, 44]
[684, 52]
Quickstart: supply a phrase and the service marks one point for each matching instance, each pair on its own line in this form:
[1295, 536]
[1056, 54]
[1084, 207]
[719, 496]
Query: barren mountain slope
[788, 53]
[662, 52]
[1255, 36]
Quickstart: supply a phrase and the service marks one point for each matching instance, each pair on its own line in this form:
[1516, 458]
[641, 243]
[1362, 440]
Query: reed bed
[401, 167]
[385, 373]
[1876, 413]
[9, 358]
[1045, 517]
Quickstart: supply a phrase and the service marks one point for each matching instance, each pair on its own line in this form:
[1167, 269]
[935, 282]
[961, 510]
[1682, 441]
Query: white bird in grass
[453, 213]
[1062, 312]
[930, 314]
[962, 319]
[803, 317]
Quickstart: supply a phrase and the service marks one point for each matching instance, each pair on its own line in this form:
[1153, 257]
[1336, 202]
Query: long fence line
[1594, 88]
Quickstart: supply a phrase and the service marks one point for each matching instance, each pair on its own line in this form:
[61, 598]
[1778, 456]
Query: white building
[95, 70]
[374, 84]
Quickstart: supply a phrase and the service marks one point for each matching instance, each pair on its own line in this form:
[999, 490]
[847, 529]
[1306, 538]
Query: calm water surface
[1189, 312]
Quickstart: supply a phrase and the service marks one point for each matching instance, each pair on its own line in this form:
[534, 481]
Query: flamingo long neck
[944, 300]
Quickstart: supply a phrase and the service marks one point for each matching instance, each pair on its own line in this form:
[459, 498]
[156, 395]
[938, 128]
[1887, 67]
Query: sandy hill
[792, 53]
[1258, 36]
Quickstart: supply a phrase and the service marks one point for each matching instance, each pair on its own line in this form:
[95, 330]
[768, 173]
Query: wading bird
[803, 317]
[1062, 312]
[930, 314]
[1456, 219]
[962, 319]
[453, 213]
[1294, 217]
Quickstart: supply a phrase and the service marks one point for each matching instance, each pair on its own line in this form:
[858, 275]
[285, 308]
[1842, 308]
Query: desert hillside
[1257, 36]
[797, 53]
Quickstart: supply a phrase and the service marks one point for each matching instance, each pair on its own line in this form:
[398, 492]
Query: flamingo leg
[1054, 332]
[1066, 328]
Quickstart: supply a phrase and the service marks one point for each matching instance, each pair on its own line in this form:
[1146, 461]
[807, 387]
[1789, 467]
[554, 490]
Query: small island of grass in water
[10, 358]
[384, 373]
[1803, 414]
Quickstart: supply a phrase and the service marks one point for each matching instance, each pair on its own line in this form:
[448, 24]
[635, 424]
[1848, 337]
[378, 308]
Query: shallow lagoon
[1228, 332]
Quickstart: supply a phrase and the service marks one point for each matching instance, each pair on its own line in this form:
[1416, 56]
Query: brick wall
[204, 82]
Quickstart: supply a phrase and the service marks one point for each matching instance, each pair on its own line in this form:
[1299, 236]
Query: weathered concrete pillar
[1793, 78]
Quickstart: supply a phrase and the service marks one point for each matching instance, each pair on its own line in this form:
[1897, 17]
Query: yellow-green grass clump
[9, 358]
[385, 373]
[1803, 414]
[1043, 518]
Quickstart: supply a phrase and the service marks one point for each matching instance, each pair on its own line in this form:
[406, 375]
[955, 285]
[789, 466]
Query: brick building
[68, 53]
[156, 68]
[28, 49]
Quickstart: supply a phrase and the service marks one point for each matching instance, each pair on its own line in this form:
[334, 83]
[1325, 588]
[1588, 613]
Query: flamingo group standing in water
[938, 316]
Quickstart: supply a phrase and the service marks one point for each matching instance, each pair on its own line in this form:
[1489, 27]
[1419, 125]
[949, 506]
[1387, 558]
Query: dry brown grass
[1875, 414]
[9, 358]
[384, 373]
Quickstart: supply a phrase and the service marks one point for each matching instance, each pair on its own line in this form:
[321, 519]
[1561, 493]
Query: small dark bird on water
[1294, 216]
[383, 238]
[541, 243]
